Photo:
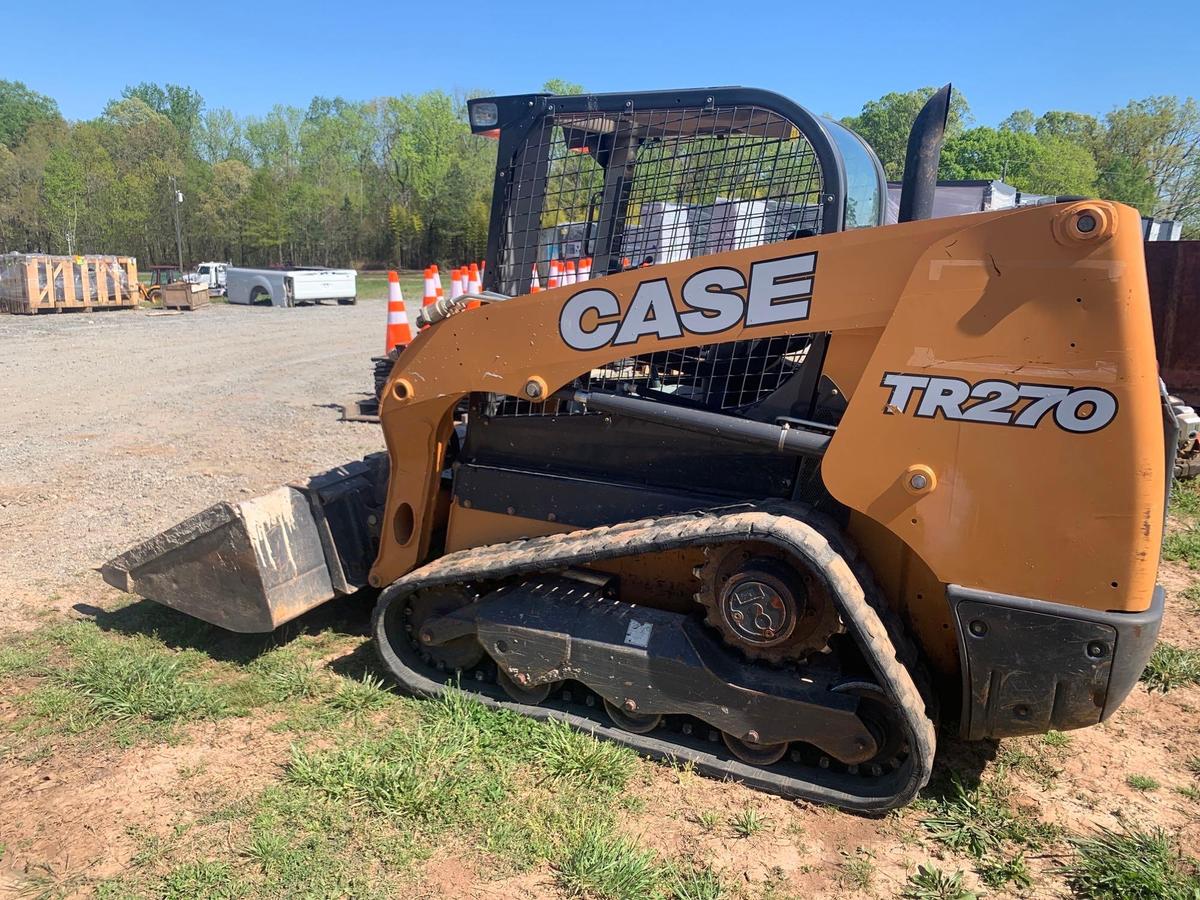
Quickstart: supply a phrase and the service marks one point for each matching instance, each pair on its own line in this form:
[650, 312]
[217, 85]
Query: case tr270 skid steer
[768, 504]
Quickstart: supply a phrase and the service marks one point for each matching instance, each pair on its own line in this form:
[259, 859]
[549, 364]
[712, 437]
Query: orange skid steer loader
[774, 503]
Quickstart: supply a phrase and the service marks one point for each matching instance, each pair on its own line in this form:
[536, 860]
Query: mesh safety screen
[654, 185]
[648, 186]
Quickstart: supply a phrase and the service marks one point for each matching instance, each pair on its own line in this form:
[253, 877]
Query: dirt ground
[116, 426]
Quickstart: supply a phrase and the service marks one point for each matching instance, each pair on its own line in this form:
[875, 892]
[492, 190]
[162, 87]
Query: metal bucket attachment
[253, 565]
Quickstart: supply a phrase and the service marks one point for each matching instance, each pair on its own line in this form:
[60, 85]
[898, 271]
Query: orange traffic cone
[430, 288]
[570, 276]
[399, 333]
[455, 288]
[474, 285]
[535, 283]
[437, 283]
[555, 274]
[585, 268]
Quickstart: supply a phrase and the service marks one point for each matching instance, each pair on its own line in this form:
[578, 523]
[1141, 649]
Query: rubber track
[794, 528]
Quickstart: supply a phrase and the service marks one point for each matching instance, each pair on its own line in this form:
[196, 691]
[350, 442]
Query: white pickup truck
[211, 274]
[291, 287]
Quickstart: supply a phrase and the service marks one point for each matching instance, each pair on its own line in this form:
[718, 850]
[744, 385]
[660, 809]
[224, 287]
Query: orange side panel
[1038, 511]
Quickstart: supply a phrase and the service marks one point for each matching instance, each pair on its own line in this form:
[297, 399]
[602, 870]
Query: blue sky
[829, 57]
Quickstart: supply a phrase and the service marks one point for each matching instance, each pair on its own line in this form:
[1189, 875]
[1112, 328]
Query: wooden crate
[184, 295]
[31, 283]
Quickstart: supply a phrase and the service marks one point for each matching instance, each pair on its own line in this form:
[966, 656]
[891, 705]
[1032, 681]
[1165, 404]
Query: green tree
[885, 124]
[1079, 128]
[182, 106]
[1021, 121]
[1160, 136]
[1061, 166]
[562, 88]
[221, 137]
[1128, 182]
[20, 108]
[1051, 165]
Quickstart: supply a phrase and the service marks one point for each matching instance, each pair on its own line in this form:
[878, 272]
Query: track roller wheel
[531, 695]
[882, 719]
[636, 723]
[754, 754]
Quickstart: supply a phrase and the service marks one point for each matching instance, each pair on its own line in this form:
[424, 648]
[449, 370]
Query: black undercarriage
[519, 626]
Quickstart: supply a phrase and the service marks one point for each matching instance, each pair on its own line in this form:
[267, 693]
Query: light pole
[176, 202]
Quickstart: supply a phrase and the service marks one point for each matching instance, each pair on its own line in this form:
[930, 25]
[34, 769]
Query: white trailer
[291, 287]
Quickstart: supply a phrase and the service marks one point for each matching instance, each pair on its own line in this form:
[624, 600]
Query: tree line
[1145, 153]
[402, 181]
[396, 180]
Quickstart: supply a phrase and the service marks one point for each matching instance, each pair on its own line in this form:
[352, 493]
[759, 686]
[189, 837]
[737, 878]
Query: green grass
[748, 822]
[283, 677]
[21, 659]
[980, 821]
[931, 883]
[1019, 758]
[605, 865]
[121, 682]
[1191, 595]
[213, 880]
[384, 782]
[359, 697]
[999, 873]
[358, 814]
[1132, 865]
[1189, 792]
[857, 870]
[1142, 783]
[1183, 545]
[1185, 499]
[692, 883]
[577, 758]
[374, 286]
[1056, 739]
[1192, 764]
[115, 689]
[1171, 667]
[125, 689]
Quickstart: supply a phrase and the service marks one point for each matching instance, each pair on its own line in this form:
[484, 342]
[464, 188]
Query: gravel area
[116, 425]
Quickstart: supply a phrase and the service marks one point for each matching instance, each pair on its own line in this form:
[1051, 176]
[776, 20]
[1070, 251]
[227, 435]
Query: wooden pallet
[33, 283]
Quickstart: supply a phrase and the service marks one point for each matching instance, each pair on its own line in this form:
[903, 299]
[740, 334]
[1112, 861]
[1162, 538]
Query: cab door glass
[866, 189]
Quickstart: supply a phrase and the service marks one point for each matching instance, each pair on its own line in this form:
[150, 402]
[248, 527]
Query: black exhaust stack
[922, 157]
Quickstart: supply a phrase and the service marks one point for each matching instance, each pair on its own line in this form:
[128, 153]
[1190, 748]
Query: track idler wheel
[752, 753]
[431, 603]
[631, 721]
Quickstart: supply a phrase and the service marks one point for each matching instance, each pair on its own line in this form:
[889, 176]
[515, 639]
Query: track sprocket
[765, 607]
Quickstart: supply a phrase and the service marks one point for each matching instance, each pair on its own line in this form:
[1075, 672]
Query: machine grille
[718, 377]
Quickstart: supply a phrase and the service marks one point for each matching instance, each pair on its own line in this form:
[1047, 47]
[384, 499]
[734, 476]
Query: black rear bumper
[1029, 666]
